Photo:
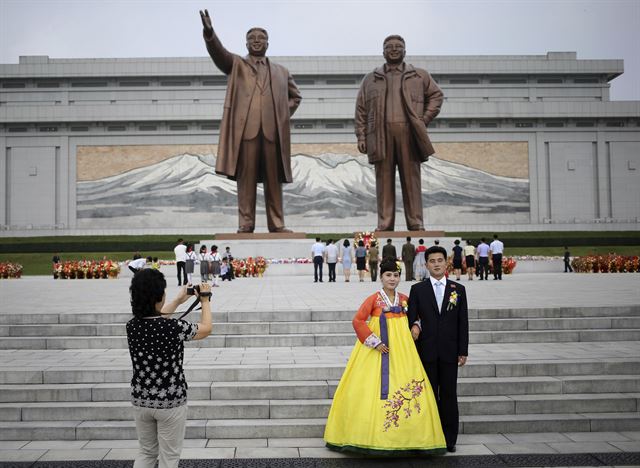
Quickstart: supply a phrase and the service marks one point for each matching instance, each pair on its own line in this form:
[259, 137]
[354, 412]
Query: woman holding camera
[156, 347]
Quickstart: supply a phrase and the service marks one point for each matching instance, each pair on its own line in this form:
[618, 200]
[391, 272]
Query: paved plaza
[27, 374]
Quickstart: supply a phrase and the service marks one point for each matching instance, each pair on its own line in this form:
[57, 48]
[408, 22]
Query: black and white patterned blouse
[156, 347]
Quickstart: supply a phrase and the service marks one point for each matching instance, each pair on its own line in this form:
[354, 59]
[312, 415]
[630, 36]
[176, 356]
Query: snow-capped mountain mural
[338, 189]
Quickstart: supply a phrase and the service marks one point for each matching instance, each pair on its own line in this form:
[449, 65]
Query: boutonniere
[405, 306]
[453, 300]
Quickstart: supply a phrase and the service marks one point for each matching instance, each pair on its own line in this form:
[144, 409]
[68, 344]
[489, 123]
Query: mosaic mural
[334, 187]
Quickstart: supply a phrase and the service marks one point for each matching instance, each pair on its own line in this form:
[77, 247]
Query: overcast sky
[595, 29]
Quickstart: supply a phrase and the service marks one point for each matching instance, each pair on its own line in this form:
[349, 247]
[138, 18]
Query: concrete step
[317, 371]
[319, 389]
[314, 427]
[318, 408]
[316, 315]
[325, 327]
[320, 339]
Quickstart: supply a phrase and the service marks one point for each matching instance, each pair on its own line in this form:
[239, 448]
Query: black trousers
[181, 266]
[443, 377]
[497, 266]
[567, 266]
[483, 267]
[332, 272]
[317, 265]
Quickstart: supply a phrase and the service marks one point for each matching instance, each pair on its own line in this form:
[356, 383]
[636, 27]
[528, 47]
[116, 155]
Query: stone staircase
[241, 384]
[323, 328]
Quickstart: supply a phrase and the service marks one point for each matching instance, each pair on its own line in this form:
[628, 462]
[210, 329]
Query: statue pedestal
[260, 236]
[405, 234]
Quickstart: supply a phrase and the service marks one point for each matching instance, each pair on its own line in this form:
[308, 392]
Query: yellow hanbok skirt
[407, 422]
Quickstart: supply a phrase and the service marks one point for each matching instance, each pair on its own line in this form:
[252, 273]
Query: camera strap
[191, 307]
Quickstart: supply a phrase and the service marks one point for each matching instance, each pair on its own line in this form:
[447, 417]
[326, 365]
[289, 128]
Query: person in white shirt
[317, 255]
[205, 263]
[497, 249]
[216, 263]
[331, 257]
[191, 258]
[181, 257]
[138, 264]
[483, 259]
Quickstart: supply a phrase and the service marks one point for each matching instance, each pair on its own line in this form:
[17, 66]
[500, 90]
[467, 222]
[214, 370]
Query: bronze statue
[254, 141]
[395, 104]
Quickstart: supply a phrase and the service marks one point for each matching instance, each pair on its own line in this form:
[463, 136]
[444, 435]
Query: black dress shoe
[451, 449]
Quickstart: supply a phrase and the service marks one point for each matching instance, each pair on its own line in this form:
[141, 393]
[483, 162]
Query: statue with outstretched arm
[255, 141]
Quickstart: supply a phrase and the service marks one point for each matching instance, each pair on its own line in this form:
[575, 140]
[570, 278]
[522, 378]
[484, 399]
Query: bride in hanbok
[384, 404]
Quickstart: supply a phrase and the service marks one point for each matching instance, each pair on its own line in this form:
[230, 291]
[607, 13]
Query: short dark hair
[389, 241]
[346, 243]
[495, 236]
[255, 28]
[180, 240]
[214, 248]
[147, 288]
[317, 239]
[388, 264]
[457, 242]
[361, 243]
[435, 249]
[482, 239]
[203, 248]
[408, 238]
[149, 259]
[393, 36]
[437, 242]
[155, 259]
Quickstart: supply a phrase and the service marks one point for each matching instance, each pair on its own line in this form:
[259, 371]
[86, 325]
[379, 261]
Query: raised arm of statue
[294, 96]
[433, 97]
[221, 56]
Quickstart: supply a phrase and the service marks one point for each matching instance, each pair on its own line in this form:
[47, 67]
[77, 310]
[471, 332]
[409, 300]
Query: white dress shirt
[138, 263]
[332, 253]
[317, 249]
[497, 247]
[443, 284]
[181, 252]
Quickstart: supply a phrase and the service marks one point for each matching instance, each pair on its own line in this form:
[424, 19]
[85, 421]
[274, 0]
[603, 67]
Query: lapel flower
[453, 300]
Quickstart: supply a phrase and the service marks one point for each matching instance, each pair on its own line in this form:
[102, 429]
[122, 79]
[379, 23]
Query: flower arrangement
[508, 265]
[611, 263]
[396, 403]
[10, 270]
[365, 236]
[249, 267]
[88, 269]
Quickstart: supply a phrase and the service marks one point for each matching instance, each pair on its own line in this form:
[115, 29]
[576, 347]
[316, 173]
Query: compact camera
[191, 289]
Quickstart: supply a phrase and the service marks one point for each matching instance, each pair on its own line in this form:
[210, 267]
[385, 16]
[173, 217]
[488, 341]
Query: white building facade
[128, 146]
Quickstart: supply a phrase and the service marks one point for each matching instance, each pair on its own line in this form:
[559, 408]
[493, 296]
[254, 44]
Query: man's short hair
[393, 36]
[408, 238]
[389, 241]
[257, 29]
[495, 236]
[317, 239]
[435, 249]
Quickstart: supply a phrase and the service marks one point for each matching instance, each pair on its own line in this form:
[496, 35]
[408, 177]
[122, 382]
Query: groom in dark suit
[439, 323]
